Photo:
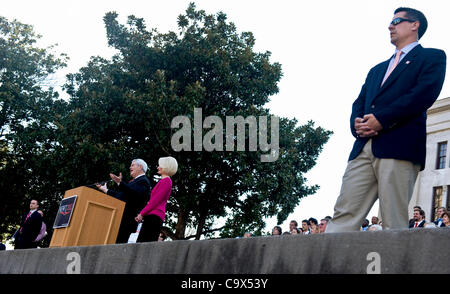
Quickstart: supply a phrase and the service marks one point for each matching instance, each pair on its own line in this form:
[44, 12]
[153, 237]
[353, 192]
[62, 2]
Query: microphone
[94, 185]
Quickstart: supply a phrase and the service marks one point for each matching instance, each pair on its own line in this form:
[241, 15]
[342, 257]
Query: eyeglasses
[398, 20]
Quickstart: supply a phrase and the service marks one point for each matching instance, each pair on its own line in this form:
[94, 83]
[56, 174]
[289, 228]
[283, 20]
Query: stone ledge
[413, 251]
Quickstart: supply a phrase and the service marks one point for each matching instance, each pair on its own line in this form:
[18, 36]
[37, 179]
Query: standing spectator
[134, 194]
[29, 228]
[153, 214]
[375, 220]
[411, 221]
[314, 226]
[293, 225]
[419, 219]
[2, 246]
[445, 220]
[323, 225]
[388, 121]
[295, 231]
[440, 212]
[276, 231]
[365, 225]
[305, 227]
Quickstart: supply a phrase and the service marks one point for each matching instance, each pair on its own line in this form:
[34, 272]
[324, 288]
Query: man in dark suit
[29, 228]
[135, 194]
[419, 219]
[2, 246]
[388, 121]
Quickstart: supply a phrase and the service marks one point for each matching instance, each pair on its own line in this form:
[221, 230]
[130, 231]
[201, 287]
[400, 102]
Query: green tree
[122, 108]
[28, 107]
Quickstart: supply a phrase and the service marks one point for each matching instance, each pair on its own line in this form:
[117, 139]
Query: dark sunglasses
[398, 20]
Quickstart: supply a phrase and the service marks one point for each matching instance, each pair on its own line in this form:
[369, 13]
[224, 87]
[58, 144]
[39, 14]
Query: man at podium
[134, 193]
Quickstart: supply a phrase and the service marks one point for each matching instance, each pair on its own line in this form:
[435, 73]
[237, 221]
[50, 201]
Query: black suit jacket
[136, 195]
[420, 225]
[400, 105]
[30, 229]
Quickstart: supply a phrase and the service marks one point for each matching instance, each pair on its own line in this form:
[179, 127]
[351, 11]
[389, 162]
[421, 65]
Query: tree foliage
[28, 105]
[122, 108]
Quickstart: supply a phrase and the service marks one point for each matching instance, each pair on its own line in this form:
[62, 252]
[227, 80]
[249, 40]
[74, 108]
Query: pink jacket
[158, 199]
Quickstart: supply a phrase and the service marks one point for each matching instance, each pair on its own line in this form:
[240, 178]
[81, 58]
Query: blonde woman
[154, 212]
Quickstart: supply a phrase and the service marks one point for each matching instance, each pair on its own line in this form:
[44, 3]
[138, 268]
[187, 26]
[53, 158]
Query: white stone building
[432, 189]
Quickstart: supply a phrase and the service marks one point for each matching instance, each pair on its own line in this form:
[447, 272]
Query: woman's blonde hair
[169, 165]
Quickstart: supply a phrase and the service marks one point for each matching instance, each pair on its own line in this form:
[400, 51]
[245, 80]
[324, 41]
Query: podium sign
[65, 212]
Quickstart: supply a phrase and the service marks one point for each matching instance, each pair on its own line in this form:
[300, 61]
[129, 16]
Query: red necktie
[415, 225]
[28, 215]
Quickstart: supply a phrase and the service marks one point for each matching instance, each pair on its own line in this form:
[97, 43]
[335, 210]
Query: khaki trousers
[368, 178]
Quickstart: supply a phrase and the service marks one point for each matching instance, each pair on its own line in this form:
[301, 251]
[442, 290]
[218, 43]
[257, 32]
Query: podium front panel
[92, 230]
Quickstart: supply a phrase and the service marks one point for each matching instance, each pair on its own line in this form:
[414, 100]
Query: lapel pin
[408, 62]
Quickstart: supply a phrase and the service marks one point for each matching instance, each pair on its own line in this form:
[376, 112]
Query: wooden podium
[93, 218]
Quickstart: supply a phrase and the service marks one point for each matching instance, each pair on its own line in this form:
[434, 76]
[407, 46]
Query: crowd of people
[307, 227]
[311, 225]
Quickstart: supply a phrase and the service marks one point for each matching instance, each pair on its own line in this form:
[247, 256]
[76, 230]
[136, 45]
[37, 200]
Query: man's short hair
[422, 212]
[415, 15]
[313, 220]
[142, 163]
[278, 228]
[295, 222]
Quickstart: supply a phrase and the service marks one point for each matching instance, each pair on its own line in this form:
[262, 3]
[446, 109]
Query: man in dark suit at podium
[134, 193]
[29, 228]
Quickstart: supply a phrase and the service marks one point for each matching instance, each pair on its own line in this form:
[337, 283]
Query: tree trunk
[181, 224]
[201, 224]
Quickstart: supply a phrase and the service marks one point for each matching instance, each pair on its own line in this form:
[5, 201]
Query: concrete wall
[387, 252]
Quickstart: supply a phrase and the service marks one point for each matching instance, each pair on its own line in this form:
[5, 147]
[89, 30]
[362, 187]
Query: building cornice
[440, 105]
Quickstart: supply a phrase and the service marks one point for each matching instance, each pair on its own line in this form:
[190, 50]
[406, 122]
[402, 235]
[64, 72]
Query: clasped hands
[368, 126]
